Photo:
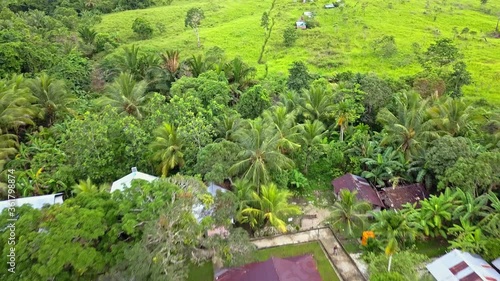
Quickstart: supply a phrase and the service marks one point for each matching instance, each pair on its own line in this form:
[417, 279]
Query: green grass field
[205, 272]
[342, 42]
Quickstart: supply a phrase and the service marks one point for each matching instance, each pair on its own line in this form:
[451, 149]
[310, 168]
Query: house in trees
[365, 191]
[396, 197]
[126, 181]
[299, 268]
[37, 202]
[462, 266]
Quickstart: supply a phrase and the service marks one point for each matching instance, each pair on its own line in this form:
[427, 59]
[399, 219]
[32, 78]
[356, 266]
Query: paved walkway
[343, 265]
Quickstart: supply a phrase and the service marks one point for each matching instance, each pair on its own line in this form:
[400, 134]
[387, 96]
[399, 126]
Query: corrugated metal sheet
[355, 183]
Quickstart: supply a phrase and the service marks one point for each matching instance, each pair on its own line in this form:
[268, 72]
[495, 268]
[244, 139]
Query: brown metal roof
[400, 195]
[355, 183]
[300, 268]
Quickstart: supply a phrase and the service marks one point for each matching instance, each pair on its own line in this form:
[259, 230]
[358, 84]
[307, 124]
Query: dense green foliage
[79, 107]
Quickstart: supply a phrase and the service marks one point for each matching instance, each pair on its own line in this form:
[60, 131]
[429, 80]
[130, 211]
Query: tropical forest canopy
[199, 92]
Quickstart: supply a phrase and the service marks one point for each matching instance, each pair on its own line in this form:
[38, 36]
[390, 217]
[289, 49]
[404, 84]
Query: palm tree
[260, 154]
[126, 95]
[347, 111]
[167, 148]
[229, 125]
[52, 96]
[270, 207]
[88, 186]
[455, 116]
[408, 126]
[197, 65]
[243, 189]
[171, 62]
[395, 225]
[239, 73]
[317, 103]
[286, 128]
[349, 210]
[312, 134]
[15, 103]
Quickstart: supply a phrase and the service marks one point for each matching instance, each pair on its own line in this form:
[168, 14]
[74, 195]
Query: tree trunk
[197, 36]
[265, 41]
[341, 133]
[389, 266]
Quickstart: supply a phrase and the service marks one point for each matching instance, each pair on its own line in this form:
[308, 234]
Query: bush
[290, 36]
[311, 23]
[385, 46]
[143, 28]
[403, 264]
[105, 42]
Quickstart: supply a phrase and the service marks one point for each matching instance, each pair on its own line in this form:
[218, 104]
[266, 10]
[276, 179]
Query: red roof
[300, 268]
[398, 196]
[355, 183]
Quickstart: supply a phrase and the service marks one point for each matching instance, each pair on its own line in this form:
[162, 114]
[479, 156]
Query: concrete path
[343, 265]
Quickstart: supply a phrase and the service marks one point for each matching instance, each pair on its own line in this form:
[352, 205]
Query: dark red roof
[355, 183]
[300, 268]
[398, 196]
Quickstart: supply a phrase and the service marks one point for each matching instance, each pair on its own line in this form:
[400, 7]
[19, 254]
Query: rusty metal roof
[398, 196]
[300, 268]
[355, 183]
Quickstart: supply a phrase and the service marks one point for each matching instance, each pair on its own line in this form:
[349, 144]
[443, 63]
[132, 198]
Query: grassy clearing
[432, 247]
[342, 42]
[205, 272]
[350, 242]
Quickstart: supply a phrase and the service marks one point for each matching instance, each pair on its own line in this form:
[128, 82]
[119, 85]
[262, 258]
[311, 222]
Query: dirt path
[343, 265]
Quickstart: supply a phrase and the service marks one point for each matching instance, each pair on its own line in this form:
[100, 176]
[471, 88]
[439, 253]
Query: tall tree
[318, 103]
[311, 135]
[349, 210]
[455, 117]
[260, 154]
[167, 148]
[126, 95]
[270, 207]
[193, 19]
[286, 127]
[52, 96]
[407, 125]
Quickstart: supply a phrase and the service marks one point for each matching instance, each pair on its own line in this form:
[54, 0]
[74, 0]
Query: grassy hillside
[342, 42]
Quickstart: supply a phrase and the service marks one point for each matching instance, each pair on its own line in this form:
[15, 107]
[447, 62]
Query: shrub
[143, 28]
[311, 23]
[385, 46]
[290, 36]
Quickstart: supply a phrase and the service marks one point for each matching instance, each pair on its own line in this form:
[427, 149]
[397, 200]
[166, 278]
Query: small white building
[37, 202]
[126, 181]
[457, 265]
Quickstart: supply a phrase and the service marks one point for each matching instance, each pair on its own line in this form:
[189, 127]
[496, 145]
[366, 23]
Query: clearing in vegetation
[364, 36]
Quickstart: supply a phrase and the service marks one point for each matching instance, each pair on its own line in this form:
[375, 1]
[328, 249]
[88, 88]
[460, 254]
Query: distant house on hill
[462, 266]
[396, 197]
[364, 189]
[300, 24]
[299, 268]
[126, 181]
[37, 202]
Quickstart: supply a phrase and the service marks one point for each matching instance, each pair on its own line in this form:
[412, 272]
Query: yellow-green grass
[326, 271]
[342, 42]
